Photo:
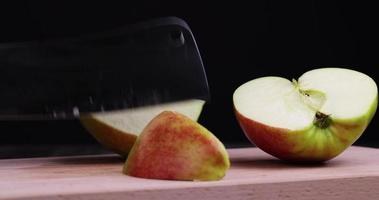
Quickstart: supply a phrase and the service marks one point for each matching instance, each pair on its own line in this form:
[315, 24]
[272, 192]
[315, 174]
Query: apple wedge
[118, 130]
[309, 120]
[174, 147]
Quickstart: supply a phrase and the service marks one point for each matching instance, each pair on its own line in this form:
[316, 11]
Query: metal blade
[147, 63]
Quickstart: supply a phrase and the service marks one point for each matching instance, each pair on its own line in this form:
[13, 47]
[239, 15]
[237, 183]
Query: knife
[151, 62]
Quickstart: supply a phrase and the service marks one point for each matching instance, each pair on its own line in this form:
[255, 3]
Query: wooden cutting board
[253, 175]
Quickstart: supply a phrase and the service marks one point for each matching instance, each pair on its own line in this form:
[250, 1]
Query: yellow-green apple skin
[118, 130]
[329, 134]
[174, 147]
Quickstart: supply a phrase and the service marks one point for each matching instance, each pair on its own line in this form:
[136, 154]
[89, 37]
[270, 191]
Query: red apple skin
[272, 140]
[297, 147]
[173, 147]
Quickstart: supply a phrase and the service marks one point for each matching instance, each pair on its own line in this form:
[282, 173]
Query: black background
[238, 42]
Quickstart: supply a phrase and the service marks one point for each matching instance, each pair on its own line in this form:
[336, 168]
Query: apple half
[313, 119]
[118, 130]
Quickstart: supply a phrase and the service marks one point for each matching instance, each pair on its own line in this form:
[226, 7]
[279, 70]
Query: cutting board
[253, 175]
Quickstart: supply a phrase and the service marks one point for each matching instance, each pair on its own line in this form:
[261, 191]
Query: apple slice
[312, 119]
[174, 147]
[118, 130]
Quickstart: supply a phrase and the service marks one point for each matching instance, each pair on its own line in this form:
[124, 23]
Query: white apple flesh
[118, 130]
[312, 119]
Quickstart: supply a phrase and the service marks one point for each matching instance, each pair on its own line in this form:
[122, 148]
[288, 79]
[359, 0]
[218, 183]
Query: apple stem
[322, 120]
[295, 83]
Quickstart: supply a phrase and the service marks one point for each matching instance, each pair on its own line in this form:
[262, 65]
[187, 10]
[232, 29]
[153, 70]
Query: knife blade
[151, 62]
